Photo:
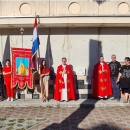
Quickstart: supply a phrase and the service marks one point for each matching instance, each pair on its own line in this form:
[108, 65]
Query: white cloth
[102, 65]
[64, 90]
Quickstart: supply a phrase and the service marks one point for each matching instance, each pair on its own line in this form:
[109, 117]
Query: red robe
[60, 83]
[101, 81]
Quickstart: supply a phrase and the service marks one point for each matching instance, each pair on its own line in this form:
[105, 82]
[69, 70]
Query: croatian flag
[35, 49]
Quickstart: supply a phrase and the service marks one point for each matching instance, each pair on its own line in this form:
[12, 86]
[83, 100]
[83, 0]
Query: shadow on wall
[75, 79]
[95, 51]
[49, 57]
[6, 54]
[99, 2]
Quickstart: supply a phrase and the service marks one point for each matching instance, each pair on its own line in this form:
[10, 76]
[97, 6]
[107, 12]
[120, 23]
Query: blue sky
[25, 61]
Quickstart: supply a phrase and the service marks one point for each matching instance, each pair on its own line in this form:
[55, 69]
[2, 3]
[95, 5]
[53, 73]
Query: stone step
[83, 103]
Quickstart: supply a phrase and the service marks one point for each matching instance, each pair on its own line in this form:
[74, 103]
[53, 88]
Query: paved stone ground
[18, 123]
[71, 118]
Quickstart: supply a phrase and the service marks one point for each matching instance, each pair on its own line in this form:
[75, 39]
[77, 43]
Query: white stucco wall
[81, 46]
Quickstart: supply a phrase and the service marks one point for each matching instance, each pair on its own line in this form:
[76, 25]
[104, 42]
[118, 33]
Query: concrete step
[84, 103]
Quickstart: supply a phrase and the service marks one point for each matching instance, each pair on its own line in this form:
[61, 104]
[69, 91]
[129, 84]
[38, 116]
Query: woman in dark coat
[2, 86]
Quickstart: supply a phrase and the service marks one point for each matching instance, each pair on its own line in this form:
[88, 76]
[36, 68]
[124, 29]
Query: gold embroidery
[101, 80]
[68, 81]
[60, 72]
[105, 79]
[99, 71]
[68, 72]
[60, 81]
[103, 88]
[105, 71]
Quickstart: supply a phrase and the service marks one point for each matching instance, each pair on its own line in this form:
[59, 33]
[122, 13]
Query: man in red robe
[102, 87]
[64, 86]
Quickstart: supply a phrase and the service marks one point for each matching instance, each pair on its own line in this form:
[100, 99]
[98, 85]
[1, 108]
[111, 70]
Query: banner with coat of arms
[22, 68]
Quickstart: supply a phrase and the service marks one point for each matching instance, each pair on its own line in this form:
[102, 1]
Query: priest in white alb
[64, 85]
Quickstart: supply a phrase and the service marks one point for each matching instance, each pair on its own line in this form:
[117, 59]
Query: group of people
[107, 80]
[64, 89]
[64, 82]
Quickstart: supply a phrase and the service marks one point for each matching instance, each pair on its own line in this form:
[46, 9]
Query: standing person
[64, 86]
[2, 87]
[115, 66]
[101, 80]
[44, 72]
[124, 79]
[7, 79]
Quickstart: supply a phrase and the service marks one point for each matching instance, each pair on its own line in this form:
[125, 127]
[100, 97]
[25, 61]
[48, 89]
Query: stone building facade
[80, 30]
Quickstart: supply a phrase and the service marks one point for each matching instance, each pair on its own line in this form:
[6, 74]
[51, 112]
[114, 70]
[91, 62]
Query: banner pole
[38, 39]
[39, 59]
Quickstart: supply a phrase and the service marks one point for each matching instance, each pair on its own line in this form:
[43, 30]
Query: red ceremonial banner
[21, 68]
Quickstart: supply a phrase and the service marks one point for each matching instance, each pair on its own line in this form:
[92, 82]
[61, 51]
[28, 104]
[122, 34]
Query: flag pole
[33, 74]
[36, 16]
[39, 59]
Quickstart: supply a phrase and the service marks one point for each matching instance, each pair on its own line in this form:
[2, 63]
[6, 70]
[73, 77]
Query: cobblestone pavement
[112, 118]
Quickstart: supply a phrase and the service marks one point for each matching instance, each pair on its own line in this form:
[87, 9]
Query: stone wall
[63, 7]
[64, 13]
[81, 46]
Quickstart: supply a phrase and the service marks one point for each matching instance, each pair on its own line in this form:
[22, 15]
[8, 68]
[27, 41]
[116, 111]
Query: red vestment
[101, 80]
[7, 80]
[59, 85]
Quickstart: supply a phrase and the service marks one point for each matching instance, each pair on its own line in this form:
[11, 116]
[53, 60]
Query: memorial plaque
[80, 71]
[85, 86]
[84, 96]
[35, 96]
[81, 96]
[80, 84]
[21, 96]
